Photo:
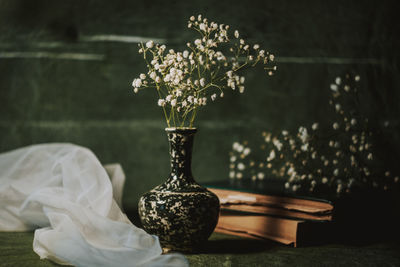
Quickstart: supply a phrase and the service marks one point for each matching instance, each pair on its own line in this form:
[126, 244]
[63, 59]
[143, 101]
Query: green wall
[45, 96]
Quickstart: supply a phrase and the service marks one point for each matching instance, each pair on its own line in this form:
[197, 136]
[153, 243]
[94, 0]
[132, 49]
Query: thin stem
[165, 112]
[193, 117]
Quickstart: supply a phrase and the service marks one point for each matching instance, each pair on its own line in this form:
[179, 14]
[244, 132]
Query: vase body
[182, 213]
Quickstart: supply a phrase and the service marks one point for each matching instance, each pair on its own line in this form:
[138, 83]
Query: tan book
[286, 231]
[290, 207]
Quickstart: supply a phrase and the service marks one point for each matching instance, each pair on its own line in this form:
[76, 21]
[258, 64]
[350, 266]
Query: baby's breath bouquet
[186, 81]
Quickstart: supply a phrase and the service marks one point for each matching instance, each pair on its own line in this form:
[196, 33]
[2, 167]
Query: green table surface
[225, 250]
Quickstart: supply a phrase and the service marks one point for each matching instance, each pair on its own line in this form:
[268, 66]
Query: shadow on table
[225, 244]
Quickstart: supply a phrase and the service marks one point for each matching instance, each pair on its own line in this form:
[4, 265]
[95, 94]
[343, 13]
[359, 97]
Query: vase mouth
[181, 130]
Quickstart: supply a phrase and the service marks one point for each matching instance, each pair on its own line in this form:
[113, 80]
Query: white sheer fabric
[63, 192]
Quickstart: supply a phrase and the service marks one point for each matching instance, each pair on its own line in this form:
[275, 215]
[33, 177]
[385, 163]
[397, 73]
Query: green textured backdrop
[47, 96]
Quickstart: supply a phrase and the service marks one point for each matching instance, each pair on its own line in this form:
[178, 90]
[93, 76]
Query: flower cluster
[336, 160]
[189, 79]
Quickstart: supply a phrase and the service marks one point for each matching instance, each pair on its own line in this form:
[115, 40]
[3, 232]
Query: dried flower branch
[336, 161]
[186, 81]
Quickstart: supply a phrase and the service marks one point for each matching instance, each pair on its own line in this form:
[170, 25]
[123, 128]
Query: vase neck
[180, 149]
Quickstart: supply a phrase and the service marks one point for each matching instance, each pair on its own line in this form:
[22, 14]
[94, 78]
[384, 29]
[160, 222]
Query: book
[269, 198]
[274, 205]
[264, 210]
[293, 232]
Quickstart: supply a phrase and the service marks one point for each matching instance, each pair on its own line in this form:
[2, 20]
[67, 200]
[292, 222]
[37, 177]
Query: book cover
[294, 232]
[269, 198]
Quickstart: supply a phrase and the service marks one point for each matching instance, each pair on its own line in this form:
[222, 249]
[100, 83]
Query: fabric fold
[63, 192]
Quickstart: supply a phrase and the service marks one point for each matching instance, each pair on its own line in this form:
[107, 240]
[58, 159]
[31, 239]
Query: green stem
[193, 117]
[165, 112]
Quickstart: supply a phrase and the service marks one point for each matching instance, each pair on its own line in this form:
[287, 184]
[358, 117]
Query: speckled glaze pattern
[182, 213]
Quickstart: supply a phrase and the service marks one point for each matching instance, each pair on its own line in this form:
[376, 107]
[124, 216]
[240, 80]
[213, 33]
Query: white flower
[324, 180]
[271, 57]
[304, 147]
[337, 107]
[235, 146]
[150, 44]
[241, 166]
[213, 97]
[231, 174]
[153, 75]
[178, 93]
[277, 144]
[197, 42]
[168, 98]
[314, 155]
[236, 34]
[202, 27]
[369, 156]
[173, 102]
[192, 18]
[256, 46]
[241, 89]
[287, 185]
[221, 94]
[202, 82]
[158, 79]
[239, 148]
[346, 88]
[334, 87]
[185, 54]
[338, 81]
[161, 102]
[260, 175]
[271, 155]
[357, 78]
[285, 133]
[239, 175]
[336, 172]
[335, 126]
[303, 134]
[353, 121]
[246, 151]
[137, 83]
[314, 126]
[135, 90]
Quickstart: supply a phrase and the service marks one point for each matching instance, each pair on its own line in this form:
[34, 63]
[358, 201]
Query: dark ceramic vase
[182, 213]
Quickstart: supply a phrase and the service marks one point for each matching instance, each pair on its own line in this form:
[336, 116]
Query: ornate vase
[182, 213]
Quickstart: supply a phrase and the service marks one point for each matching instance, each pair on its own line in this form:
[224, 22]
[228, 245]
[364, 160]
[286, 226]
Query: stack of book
[262, 210]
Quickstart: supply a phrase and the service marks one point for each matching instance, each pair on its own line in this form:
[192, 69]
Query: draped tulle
[63, 192]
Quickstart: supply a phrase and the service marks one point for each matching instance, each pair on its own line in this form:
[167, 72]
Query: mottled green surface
[224, 250]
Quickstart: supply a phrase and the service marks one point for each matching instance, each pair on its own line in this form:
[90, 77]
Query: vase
[181, 212]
